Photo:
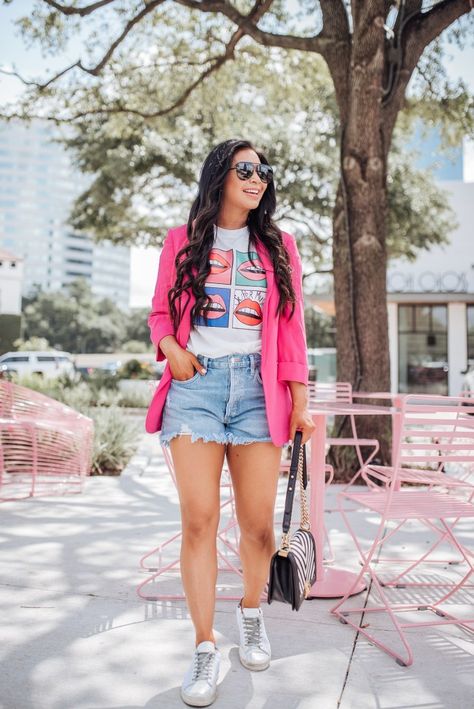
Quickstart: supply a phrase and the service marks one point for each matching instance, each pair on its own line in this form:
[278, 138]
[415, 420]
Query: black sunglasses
[244, 170]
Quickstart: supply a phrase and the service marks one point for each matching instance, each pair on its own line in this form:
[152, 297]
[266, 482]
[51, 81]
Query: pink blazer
[283, 339]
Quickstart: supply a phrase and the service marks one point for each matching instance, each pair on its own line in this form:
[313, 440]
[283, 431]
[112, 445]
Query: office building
[38, 185]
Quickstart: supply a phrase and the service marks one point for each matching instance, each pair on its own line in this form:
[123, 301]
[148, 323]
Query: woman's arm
[292, 351]
[300, 416]
[181, 362]
[299, 395]
[159, 320]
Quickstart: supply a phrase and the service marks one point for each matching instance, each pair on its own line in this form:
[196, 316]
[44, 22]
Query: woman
[227, 314]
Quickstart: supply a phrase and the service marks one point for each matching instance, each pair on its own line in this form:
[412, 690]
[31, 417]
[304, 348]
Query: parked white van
[50, 363]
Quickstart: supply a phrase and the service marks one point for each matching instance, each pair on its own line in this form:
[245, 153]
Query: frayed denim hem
[165, 441]
[229, 438]
[241, 441]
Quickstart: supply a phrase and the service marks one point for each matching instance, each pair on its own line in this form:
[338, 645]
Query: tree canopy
[77, 321]
[160, 83]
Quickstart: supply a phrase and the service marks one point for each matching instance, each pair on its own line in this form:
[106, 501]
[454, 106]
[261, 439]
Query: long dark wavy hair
[193, 270]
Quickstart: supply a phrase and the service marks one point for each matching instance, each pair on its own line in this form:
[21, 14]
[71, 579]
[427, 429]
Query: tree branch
[149, 7]
[246, 25]
[335, 20]
[95, 71]
[428, 81]
[417, 30]
[309, 44]
[118, 107]
[301, 220]
[424, 27]
[82, 11]
[35, 83]
[337, 51]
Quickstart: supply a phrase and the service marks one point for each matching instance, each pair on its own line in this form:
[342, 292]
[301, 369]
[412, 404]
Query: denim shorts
[226, 405]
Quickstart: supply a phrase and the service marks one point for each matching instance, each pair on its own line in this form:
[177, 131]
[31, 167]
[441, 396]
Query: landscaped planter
[138, 387]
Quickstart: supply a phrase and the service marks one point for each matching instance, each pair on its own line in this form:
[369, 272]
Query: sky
[30, 63]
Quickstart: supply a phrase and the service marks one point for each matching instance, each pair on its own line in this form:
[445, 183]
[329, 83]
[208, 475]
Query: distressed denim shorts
[226, 405]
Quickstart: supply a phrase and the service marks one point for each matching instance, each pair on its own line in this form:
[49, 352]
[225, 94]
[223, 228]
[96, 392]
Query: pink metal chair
[45, 446]
[434, 432]
[452, 477]
[227, 546]
[341, 393]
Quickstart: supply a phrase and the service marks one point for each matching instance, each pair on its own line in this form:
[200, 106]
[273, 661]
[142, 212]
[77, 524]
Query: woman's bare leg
[254, 469]
[198, 468]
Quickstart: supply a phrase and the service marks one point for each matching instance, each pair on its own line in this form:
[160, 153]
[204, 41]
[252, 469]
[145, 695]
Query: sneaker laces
[253, 631]
[203, 662]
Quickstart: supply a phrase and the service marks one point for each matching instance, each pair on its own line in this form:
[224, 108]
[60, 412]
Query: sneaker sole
[255, 668]
[198, 702]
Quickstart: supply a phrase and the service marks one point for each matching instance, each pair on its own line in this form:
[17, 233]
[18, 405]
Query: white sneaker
[199, 687]
[254, 650]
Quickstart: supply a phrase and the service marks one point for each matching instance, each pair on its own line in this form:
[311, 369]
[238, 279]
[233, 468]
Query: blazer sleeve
[159, 320]
[292, 350]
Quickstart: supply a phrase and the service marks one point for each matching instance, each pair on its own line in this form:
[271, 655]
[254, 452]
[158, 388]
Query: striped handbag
[293, 566]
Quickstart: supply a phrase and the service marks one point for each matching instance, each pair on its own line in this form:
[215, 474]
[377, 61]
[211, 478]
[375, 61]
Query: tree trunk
[359, 231]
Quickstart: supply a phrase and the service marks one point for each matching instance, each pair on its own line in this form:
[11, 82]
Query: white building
[431, 307]
[11, 277]
[37, 187]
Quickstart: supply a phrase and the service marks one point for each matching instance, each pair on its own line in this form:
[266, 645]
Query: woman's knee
[199, 526]
[261, 534]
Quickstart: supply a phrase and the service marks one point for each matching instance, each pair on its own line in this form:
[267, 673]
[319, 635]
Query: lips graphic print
[248, 309]
[217, 309]
[249, 271]
[221, 266]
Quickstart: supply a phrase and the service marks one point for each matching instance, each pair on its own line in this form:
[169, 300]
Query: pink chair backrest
[18, 403]
[40, 436]
[340, 392]
[434, 431]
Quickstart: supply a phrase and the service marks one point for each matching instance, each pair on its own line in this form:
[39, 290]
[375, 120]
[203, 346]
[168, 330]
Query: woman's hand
[301, 419]
[300, 416]
[183, 365]
[182, 362]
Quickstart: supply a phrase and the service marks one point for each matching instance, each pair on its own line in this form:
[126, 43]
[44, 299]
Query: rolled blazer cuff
[292, 372]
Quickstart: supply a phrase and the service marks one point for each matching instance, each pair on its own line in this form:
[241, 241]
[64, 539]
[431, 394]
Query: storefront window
[423, 348]
[470, 335]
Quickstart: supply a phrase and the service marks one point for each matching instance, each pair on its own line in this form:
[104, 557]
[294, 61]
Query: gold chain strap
[304, 513]
[304, 521]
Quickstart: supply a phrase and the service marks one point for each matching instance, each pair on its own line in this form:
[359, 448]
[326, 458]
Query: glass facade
[423, 349]
[470, 335]
[38, 185]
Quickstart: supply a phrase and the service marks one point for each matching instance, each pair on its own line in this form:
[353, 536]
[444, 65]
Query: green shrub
[101, 379]
[49, 386]
[134, 369]
[136, 347]
[115, 441]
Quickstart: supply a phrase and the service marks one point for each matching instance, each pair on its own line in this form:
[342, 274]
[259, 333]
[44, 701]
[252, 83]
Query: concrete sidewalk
[75, 635]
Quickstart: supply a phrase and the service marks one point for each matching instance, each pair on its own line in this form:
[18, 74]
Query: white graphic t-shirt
[238, 289]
